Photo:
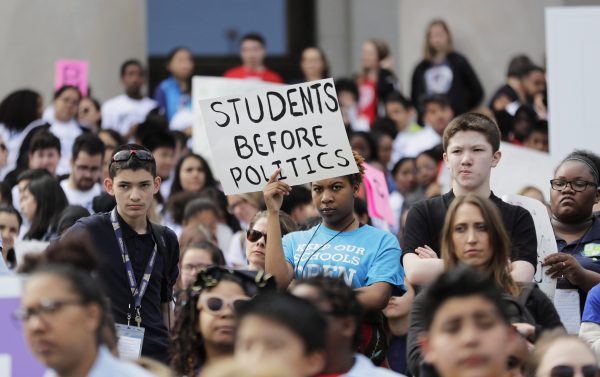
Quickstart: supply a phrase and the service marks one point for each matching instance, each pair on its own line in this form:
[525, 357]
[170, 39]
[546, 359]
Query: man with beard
[86, 167]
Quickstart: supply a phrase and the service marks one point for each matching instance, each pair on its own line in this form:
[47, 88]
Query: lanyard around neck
[137, 292]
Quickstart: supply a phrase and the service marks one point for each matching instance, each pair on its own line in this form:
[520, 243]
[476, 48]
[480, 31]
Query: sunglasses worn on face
[125, 155]
[254, 235]
[215, 303]
[569, 371]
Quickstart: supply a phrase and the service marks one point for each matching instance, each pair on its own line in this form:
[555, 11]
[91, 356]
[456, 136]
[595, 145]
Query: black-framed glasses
[126, 154]
[569, 371]
[194, 267]
[254, 235]
[577, 185]
[44, 310]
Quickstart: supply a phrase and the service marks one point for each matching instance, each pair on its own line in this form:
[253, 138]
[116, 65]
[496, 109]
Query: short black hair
[532, 68]
[460, 282]
[346, 85]
[117, 137]
[175, 50]
[384, 126]
[155, 121]
[132, 163]
[540, 126]
[69, 216]
[253, 37]
[341, 297]
[360, 208]
[216, 254]
[398, 98]
[518, 65]
[439, 99]
[294, 313]
[159, 139]
[64, 88]
[88, 143]
[401, 162]
[198, 205]
[30, 174]
[299, 196]
[129, 62]
[44, 140]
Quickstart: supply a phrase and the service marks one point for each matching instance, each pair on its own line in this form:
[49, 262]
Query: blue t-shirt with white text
[361, 257]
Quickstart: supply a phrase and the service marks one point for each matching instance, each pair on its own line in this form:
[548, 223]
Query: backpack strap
[159, 238]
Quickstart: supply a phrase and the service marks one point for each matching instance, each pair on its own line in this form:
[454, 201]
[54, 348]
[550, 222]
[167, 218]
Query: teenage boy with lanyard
[471, 149]
[138, 259]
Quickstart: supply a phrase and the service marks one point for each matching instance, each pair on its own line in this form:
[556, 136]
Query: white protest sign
[546, 242]
[204, 87]
[297, 128]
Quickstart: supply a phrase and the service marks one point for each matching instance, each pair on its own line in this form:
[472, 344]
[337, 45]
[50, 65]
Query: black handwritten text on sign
[297, 128]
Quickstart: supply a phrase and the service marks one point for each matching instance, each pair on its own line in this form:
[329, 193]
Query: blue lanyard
[137, 292]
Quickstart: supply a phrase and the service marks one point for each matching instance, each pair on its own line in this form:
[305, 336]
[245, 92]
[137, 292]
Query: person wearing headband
[205, 328]
[574, 191]
[139, 259]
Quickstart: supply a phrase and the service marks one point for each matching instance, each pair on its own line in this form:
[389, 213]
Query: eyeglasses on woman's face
[578, 185]
[46, 310]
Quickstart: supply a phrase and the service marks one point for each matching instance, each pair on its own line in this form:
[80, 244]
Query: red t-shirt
[242, 72]
[367, 100]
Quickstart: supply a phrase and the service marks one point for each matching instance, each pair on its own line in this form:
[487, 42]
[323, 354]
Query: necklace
[320, 247]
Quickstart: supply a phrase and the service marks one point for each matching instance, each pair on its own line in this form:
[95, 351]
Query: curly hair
[357, 178]
[187, 346]
[188, 352]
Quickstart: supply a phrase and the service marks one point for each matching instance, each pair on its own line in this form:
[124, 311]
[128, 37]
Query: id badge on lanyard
[130, 337]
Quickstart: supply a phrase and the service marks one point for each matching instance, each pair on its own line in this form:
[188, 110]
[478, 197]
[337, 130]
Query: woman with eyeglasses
[256, 237]
[576, 228]
[205, 328]
[560, 355]
[63, 312]
[196, 256]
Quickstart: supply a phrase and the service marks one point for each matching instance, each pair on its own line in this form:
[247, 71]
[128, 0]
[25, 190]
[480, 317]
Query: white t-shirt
[81, 198]
[13, 142]
[66, 132]
[411, 144]
[364, 367]
[122, 112]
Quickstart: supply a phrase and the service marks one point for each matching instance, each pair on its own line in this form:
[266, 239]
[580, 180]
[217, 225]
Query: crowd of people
[149, 261]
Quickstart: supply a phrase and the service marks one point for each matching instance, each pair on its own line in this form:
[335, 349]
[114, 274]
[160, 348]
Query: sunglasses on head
[254, 235]
[125, 155]
[569, 371]
[215, 303]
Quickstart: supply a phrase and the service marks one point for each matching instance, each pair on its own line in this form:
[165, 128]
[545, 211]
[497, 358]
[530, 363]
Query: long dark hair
[209, 180]
[19, 108]
[51, 200]
[11, 258]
